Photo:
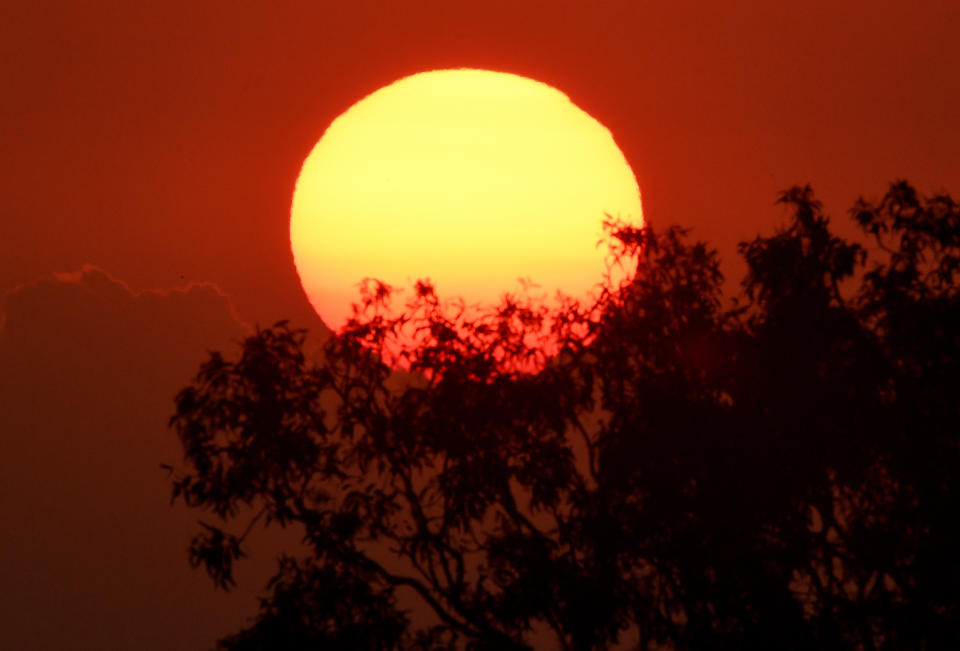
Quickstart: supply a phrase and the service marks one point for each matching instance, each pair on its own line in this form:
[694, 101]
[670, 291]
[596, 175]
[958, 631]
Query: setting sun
[471, 178]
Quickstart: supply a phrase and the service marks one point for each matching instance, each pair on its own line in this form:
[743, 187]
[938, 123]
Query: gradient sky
[160, 141]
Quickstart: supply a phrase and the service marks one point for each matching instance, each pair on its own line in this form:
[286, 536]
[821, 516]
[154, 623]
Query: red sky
[160, 141]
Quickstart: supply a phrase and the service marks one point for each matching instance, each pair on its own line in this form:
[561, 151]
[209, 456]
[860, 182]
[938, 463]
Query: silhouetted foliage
[779, 471]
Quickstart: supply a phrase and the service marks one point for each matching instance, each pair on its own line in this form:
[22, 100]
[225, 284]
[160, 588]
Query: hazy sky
[163, 138]
[160, 141]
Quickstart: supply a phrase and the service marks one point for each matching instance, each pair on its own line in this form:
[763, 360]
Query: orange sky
[160, 141]
[163, 138]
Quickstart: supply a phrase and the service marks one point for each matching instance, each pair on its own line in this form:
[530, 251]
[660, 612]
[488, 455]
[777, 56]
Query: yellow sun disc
[471, 178]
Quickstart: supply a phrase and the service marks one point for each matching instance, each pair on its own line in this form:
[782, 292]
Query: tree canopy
[776, 470]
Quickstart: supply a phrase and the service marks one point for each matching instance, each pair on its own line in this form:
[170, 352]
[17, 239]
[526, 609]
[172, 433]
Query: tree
[776, 471]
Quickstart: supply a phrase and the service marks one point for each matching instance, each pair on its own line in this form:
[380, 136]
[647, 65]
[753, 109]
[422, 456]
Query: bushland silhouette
[778, 471]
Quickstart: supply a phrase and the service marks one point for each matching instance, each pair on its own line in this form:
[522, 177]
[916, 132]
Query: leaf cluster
[778, 471]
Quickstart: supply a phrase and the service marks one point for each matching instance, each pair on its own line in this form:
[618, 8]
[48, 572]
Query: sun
[474, 179]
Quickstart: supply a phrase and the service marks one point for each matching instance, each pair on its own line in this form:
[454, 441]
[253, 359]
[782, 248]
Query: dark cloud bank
[93, 556]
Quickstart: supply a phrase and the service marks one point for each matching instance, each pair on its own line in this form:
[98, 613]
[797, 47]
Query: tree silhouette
[776, 471]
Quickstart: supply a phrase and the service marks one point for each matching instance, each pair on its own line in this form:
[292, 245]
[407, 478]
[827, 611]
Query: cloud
[93, 556]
